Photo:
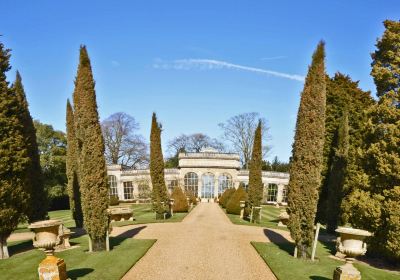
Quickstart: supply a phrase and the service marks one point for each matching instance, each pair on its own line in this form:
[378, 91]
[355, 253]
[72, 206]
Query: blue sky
[196, 63]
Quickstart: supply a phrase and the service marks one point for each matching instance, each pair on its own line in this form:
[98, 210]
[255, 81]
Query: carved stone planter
[47, 237]
[283, 219]
[350, 243]
[120, 214]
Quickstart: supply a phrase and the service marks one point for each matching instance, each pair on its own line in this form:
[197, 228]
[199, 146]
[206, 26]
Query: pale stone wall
[203, 163]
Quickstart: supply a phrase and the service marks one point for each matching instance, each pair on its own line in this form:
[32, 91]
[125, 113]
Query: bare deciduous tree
[239, 132]
[122, 145]
[193, 143]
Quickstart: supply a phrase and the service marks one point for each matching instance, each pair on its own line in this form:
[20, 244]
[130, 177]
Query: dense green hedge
[233, 204]
[226, 196]
[180, 203]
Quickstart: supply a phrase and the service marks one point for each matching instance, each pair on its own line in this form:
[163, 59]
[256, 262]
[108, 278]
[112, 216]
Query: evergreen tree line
[345, 161]
[22, 193]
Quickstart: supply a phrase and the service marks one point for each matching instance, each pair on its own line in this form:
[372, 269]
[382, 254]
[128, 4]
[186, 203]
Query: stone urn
[47, 237]
[242, 204]
[283, 219]
[171, 206]
[350, 243]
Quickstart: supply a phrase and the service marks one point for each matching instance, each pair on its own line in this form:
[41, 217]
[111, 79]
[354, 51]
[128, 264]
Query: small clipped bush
[233, 204]
[180, 203]
[226, 196]
[192, 198]
[113, 200]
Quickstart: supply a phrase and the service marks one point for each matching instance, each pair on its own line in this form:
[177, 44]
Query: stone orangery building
[206, 174]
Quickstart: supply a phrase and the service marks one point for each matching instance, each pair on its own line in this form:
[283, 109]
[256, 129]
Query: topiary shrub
[113, 200]
[180, 203]
[192, 198]
[233, 204]
[226, 196]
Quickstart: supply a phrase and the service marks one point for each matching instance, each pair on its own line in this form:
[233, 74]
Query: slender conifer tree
[34, 181]
[307, 154]
[159, 193]
[72, 163]
[14, 158]
[255, 173]
[92, 166]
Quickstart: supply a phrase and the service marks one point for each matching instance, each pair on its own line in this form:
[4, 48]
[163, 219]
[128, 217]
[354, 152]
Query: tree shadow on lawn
[20, 247]
[314, 277]
[117, 240]
[79, 272]
[280, 241]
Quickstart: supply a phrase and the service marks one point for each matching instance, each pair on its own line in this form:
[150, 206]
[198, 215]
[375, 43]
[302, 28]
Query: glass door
[207, 190]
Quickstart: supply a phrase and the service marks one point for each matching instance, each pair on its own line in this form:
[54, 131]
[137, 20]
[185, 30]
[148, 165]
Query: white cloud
[210, 64]
[115, 63]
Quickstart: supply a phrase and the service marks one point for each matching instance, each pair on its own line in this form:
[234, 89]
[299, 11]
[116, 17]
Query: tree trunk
[98, 245]
[3, 248]
[302, 251]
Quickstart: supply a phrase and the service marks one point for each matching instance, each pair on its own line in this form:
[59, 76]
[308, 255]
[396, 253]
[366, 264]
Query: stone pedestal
[346, 272]
[52, 268]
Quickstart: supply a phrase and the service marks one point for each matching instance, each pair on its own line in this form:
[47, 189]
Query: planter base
[346, 272]
[52, 268]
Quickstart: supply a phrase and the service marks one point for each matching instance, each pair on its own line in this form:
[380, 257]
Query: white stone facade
[207, 174]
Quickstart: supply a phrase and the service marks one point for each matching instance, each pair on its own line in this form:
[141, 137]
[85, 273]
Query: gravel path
[205, 245]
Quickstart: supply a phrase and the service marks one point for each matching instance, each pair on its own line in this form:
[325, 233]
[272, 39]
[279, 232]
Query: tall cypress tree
[255, 190]
[72, 163]
[306, 164]
[34, 182]
[14, 158]
[338, 174]
[159, 192]
[92, 165]
[375, 203]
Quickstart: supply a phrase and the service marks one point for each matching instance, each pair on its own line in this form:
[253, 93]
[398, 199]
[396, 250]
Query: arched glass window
[272, 192]
[128, 190]
[224, 182]
[112, 184]
[191, 182]
[284, 193]
[207, 190]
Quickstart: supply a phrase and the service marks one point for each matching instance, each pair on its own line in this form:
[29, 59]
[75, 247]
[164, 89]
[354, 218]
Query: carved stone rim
[46, 223]
[353, 231]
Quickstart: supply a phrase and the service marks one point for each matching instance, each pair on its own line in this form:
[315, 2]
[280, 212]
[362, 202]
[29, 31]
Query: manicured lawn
[80, 264]
[141, 212]
[269, 218]
[278, 257]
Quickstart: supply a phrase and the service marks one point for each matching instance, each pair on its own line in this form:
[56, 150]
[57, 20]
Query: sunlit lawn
[279, 259]
[142, 213]
[269, 218]
[80, 264]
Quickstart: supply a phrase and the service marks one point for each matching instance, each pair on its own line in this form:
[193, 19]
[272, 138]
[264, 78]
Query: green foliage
[342, 95]
[255, 190]
[34, 182]
[226, 195]
[159, 193]
[192, 197]
[275, 165]
[307, 155]
[233, 205]
[337, 174]
[386, 64]
[92, 165]
[14, 157]
[373, 202]
[180, 203]
[72, 169]
[113, 200]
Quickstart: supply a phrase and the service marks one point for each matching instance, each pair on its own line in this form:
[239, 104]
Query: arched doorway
[207, 189]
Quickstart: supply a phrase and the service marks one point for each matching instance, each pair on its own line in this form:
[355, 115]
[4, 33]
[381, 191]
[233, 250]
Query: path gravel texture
[205, 245]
